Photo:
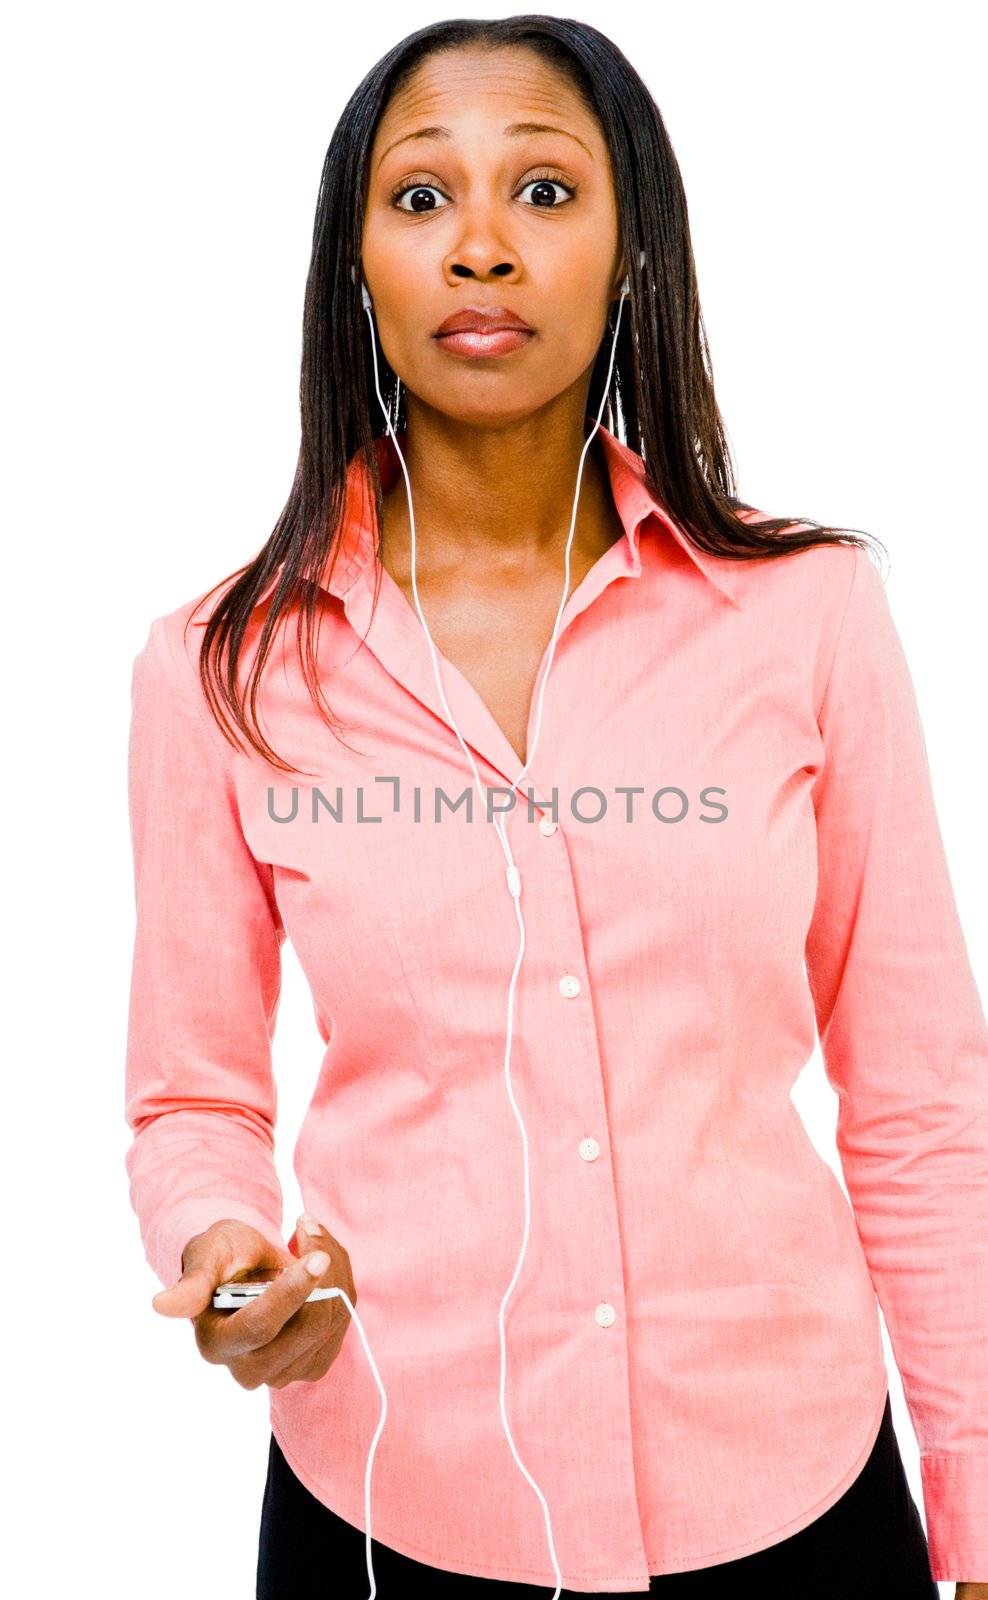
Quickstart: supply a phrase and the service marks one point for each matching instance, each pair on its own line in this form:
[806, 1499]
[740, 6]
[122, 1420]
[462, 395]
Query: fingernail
[317, 1263]
[307, 1222]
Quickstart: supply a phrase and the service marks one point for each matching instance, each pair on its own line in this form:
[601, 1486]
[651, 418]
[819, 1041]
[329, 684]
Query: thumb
[191, 1294]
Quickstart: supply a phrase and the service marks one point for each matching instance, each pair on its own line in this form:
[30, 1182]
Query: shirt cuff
[955, 1500]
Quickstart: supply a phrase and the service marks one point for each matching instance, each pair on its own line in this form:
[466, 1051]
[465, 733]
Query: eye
[545, 182]
[414, 189]
[542, 182]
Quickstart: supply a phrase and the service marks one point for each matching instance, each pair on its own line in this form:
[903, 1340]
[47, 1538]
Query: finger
[310, 1228]
[322, 1344]
[307, 1234]
[307, 1369]
[304, 1336]
[257, 1323]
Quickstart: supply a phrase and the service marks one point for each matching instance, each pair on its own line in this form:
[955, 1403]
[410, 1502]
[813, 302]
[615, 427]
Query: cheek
[579, 319]
[576, 339]
[408, 357]
[402, 287]
[564, 352]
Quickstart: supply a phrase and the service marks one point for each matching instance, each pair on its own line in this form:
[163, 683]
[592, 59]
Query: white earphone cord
[514, 888]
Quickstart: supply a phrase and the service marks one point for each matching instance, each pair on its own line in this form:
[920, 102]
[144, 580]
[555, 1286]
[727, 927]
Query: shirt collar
[636, 505]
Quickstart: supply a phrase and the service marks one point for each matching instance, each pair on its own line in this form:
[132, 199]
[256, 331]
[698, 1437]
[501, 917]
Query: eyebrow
[514, 130]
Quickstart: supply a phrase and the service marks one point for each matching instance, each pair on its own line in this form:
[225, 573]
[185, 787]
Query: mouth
[484, 341]
[483, 331]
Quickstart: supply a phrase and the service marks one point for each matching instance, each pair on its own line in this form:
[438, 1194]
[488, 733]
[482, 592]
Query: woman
[561, 1026]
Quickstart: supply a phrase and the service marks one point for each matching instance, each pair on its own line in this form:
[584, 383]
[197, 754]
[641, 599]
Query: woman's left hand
[971, 1591]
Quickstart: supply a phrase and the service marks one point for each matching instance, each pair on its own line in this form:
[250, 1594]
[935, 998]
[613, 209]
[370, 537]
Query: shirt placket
[579, 1230]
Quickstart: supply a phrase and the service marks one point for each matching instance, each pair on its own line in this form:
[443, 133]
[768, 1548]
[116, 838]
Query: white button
[605, 1314]
[547, 826]
[569, 986]
[589, 1149]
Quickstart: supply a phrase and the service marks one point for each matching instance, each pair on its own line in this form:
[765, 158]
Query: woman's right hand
[276, 1338]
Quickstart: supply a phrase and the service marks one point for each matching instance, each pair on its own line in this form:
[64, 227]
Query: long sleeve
[206, 976]
[905, 1046]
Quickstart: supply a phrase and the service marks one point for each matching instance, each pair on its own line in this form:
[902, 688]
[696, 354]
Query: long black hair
[662, 384]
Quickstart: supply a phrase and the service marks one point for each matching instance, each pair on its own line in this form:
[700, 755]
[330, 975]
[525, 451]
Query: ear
[616, 285]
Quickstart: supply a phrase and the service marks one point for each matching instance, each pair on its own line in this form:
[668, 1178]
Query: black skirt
[869, 1543]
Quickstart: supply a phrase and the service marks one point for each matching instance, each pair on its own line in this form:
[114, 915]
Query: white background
[161, 174]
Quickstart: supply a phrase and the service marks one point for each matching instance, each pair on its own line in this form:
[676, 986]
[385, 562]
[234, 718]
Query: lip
[482, 319]
[477, 342]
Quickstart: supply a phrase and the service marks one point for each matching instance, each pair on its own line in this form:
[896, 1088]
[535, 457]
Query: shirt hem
[795, 1524]
[477, 1569]
[631, 1584]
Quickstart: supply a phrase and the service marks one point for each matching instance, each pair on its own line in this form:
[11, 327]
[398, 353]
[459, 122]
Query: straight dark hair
[662, 383]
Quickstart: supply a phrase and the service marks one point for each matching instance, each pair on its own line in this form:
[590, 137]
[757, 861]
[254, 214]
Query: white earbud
[626, 281]
[364, 291]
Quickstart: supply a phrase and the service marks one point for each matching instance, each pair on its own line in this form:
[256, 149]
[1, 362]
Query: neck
[495, 495]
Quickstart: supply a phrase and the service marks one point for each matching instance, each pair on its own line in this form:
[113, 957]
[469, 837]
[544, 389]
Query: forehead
[470, 84]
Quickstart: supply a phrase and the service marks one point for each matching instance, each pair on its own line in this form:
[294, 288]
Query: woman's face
[467, 206]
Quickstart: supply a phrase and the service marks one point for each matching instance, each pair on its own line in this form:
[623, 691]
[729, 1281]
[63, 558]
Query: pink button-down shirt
[733, 761]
